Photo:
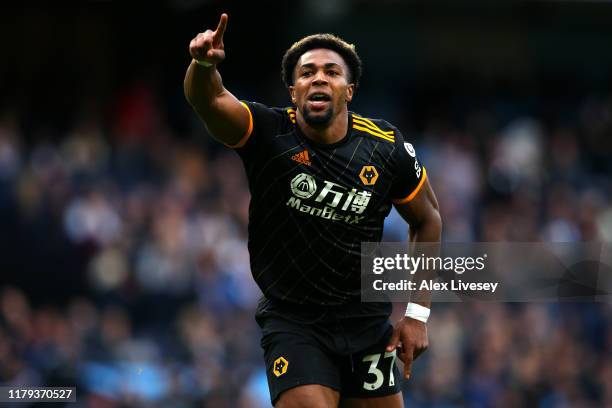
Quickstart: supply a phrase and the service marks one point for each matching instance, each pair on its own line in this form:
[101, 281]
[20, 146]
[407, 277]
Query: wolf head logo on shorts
[280, 366]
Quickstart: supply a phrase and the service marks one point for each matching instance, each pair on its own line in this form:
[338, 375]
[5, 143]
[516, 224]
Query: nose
[319, 78]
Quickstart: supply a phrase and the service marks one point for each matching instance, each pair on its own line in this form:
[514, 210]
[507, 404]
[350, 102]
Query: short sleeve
[410, 174]
[263, 122]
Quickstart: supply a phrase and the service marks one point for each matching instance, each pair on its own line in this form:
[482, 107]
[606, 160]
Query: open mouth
[319, 96]
[318, 100]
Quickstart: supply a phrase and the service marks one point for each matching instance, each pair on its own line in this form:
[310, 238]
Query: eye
[332, 73]
[306, 73]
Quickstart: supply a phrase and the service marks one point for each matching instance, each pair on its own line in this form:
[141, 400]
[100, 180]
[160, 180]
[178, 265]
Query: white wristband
[417, 312]
[203, 63]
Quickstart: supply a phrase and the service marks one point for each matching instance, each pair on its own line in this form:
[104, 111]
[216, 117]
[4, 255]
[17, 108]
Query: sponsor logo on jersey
[368, 175]
[411, 152]
[410, 149]
[333, 202]
[280, 366]
[303, 185]
[302, 157]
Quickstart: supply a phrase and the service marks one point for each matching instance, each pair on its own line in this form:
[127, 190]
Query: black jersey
[313, 204]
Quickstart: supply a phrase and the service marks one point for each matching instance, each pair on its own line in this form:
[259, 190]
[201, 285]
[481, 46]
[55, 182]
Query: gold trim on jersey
[364, 129]
[372, 125]
[291, 113]
[368, 126]
[415, 192]
[246, 136]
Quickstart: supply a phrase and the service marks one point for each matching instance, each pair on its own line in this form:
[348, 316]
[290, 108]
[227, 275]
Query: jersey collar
[334, 145]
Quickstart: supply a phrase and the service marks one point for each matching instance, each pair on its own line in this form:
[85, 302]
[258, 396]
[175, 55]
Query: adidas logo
[302, 157]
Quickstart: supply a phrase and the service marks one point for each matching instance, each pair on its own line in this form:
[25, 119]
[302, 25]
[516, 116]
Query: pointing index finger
[408, 357]
[221, 27]
[407, 367]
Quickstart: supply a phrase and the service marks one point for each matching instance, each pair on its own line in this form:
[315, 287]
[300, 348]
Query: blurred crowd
[127, 273]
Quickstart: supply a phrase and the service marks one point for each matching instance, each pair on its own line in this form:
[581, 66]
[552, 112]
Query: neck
[331, 132]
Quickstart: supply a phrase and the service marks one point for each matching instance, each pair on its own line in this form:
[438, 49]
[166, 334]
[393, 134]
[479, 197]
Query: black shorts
[346, 352]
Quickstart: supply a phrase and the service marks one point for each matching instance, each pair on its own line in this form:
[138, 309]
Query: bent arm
[227, 120]
[225, 117]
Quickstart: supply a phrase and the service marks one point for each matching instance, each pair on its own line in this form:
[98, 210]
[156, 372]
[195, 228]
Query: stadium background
[123, 263]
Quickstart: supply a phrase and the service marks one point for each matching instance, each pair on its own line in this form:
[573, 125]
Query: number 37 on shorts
[377, 376]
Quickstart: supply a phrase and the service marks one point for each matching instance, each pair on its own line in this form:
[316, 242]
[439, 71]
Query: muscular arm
[423, 216]
[225, 117]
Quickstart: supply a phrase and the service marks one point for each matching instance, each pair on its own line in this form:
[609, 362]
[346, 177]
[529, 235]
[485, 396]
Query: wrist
[203, 63]
[417, 312]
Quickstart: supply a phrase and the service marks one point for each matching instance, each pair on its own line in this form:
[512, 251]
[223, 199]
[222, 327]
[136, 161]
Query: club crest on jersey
[410, 149]
[280, 366]
[368, 175]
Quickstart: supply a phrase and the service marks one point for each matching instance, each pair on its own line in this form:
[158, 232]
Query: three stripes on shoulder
[366, 125]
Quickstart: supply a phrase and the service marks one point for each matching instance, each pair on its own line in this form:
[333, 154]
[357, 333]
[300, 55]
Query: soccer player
[322, 180]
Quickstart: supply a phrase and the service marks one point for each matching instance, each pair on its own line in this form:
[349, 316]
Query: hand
[410, 338]
[208, 46]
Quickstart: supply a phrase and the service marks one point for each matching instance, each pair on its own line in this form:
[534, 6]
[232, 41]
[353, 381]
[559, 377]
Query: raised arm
[227, 120]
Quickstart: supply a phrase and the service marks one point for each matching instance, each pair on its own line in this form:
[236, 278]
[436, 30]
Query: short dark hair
[327, 41]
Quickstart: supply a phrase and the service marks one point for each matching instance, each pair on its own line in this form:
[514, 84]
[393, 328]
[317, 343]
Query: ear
[292, 93]
[349, 93]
